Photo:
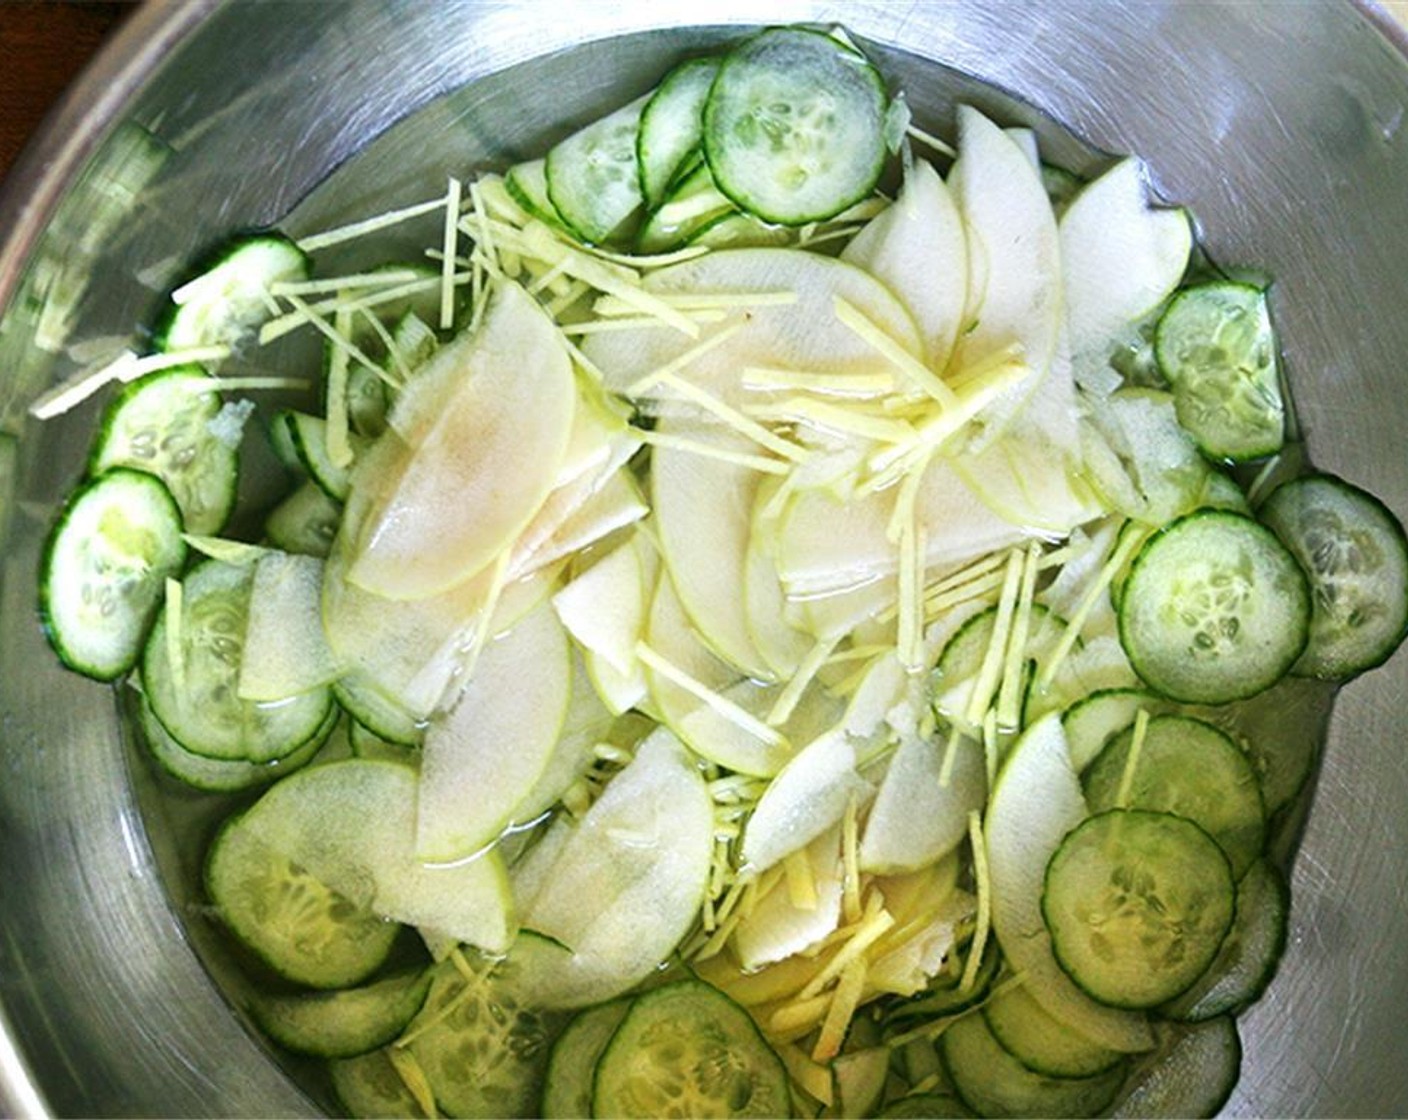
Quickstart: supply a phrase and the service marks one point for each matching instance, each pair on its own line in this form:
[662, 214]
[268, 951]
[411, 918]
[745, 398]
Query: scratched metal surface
[1278, 123]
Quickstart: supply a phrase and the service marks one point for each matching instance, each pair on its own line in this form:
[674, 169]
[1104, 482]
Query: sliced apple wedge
[720, 713]
[624, 884]
[453, 507]
[809, 795]
[1014, 290]
[605, 610]
[918, 249]
[703, 516]
[921, 810]
[1120, 257]
[486, 755]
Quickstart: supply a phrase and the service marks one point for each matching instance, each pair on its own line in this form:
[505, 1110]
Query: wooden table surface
[43, 46]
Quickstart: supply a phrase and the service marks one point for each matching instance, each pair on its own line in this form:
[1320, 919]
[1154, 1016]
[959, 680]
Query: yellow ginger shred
[813, 1078]
[791, 694]
[327, 330]
[328, 285]
[910, 366]
[992, 746]
[801, 883]
[955, 736]
[682, 361]
[414, 1079]
[1009, 695]
[759, 463]
[990, 673]
[766, 379]
[850, 856]
[984, 905]
[1131, 763]
[447, 267]
[738, 421]
[876, 922]
[743, 719]
[799, 1015]
[849, 421]
[843, 1007]
[1098, 586]
[354, 230]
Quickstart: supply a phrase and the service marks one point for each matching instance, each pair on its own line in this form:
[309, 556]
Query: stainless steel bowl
[1280, 124]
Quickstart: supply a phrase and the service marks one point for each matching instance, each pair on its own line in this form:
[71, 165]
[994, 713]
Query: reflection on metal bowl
[1279, 125]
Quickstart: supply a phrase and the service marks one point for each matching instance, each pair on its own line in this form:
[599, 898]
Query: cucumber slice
[215, 775]
[1282, 730]
[1190, 768]
[691, 205]
[373, 709]
[1044, 1045]
[298, 925]
[1355, 554]
[567, 1091]
[1191, 1074]
[362, 742]
[482, 1047]
[104, 570]
[227, 300]
[305, 522]
[687, 1047]
[1138, 904]
[306, 438]
[343, 1023]
[1250, 954]
[527, 185]
[793, 126]
[741, 231]
[992, 1082]
[1215, 346]
[371, 1088]
[162, 424]
[196, 697]
[1035, 803]
[1092, 722]
[962, 658]
[672, 126]
[929, 1106]
[351, 825]
[592, 177]
[860, 1076]
[1215, 609]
